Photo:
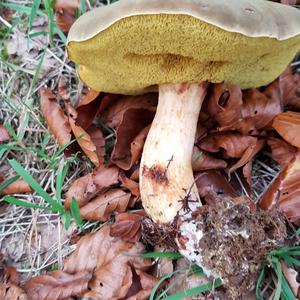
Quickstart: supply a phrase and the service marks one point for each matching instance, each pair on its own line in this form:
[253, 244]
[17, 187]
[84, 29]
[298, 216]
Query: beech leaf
[57, 285]
[65, 13]
[203, 161]
[291, 276]
[233, 144]
[287, 124]
[19, 186]
[130, 137]
[284, 192]
[209, 182]
[289, 84]
[9, 291]
[87, 187]
[282, 152]
[101, 207]
[129, 184]
[248, 155]
[111, 262]
[112, 116]
[224, 103]
[54, 116]
[127, 227]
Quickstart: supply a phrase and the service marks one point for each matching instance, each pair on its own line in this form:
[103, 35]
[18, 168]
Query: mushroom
[177, 47]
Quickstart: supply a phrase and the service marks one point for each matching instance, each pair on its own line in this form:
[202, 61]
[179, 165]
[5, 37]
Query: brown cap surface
[132, 45]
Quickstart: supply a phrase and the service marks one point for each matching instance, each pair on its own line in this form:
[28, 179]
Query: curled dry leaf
[248, 155]
[129, 184]
[282, 152]
[4, 135]
[130, 137]
[54, 116]
[289, 84]
[57, 285]
[127, 227]
[9, 291]
[111, 261]
[212, 182]
[19, 186]
[87, 187]
[88, 108]
[233, 144]
[91, 144]
[224, 103]
[291, 277]
[257, 111]
[65, 13]
[287, 124]
[203, 161]
[101, 207]
[284, 191]
[112, 116]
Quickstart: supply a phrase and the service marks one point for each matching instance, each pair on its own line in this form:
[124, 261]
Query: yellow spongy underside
[136, 53]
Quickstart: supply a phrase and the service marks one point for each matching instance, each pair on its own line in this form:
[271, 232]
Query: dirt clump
[237, 237]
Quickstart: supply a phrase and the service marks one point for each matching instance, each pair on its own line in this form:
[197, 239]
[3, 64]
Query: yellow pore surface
[138, 52]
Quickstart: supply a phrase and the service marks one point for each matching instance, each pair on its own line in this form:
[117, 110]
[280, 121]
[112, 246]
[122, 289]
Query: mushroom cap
[133, 45]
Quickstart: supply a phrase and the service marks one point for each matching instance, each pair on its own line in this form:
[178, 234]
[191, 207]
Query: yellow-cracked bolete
[175, 47]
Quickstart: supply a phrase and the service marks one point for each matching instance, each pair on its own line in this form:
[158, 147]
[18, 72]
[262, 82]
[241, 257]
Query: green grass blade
[8, 182]
[21, 8]
[66, 218]
[82, 6]
[34, 11]
[61, 34]
[55, 206]
[286, 290]
[277, 268]
[170, 255]
[260, 279]
[18, 202]
[197, 270]
[196, 291]
[75, 212]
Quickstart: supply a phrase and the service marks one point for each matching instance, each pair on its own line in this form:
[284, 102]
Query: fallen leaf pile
[101, 267]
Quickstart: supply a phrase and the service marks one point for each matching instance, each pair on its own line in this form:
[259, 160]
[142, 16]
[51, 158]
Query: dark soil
[236, 239]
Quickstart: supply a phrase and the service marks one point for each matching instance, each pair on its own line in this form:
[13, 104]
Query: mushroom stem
[166, 175]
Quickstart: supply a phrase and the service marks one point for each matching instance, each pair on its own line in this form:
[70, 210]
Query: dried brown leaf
[282, 152]
[233, 144]
[248, 155]
[203, 161]
[284, 192]
[85, 142]
[289, 84]
[112, 116]
[101, 207]
[10, 291]
[65, 13]
[88, 108]
[287, 124]
[111, 261]
[4, 135]
[224, 103]
[87, 187]
[129, 184]
[130, 137]
[54, 116]
[127, 227]
[257, 111]
[57, 285]
[19, 186]
[213, 182]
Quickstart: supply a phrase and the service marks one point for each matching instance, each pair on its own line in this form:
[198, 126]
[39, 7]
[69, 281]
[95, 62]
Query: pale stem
[166, 175]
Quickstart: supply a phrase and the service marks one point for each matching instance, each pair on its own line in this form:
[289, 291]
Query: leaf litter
[239, 125]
